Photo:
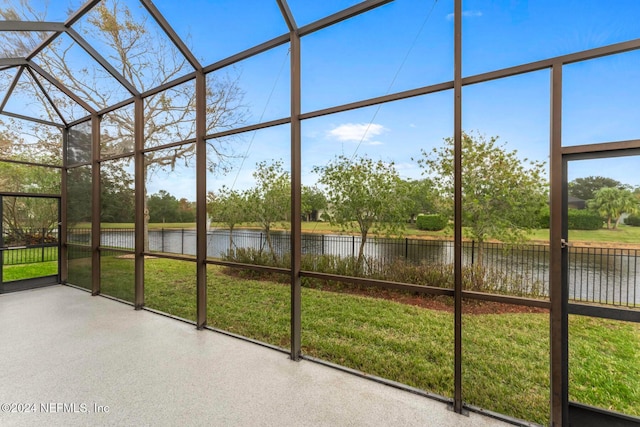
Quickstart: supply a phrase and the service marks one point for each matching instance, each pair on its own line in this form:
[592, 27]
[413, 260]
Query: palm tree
[612, 202]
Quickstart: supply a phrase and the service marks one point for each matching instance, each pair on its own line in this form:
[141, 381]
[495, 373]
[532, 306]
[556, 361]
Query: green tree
[611, 203]
[421, 198]
[313, 200]
[186, 210]
[228, 206]
[586, 188]
[117, 196]
[163, 207]
[270, 199]
[363, 195]
[501, 193]
[24, 216]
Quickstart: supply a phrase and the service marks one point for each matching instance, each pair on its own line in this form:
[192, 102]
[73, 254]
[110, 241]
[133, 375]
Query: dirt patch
[132, 256]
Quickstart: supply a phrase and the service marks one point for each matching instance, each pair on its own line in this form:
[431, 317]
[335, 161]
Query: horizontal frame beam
[623, 314]
[21, 162]
[32, 26]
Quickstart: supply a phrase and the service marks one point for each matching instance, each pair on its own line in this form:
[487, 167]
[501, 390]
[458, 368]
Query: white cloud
[357, 132]
[466, 14]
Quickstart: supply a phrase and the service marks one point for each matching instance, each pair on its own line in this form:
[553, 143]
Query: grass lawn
[505, 360]
[623, 234]
[28, 271]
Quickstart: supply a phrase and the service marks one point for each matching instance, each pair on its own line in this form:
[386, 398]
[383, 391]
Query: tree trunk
[267, 231]
[615, 225]
[360, 261]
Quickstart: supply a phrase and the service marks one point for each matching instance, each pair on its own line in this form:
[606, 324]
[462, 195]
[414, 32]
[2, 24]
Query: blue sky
[408, 44]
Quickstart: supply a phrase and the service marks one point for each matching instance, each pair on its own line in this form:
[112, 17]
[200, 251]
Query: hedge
[633, 220]
[579, 219]
[434, 222]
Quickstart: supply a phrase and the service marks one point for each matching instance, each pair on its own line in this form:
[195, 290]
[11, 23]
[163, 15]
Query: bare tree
[146, 58]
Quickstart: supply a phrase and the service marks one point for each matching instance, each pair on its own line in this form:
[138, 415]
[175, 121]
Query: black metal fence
[601, 275]
[29, 245]
[27, 255]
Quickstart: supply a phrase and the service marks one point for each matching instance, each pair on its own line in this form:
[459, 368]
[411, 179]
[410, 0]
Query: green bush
[434, 222]
[544, 218]
[582, 219]
[579, 219]
[633, 220]
[475, 278]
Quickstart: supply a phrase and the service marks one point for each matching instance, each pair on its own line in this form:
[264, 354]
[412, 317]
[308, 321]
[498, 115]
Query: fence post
[406, 248]
[42, 242]
[182, 242]
[353, 246]
[473, 250]
[322, 237]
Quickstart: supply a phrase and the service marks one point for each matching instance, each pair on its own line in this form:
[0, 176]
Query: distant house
[576, 203]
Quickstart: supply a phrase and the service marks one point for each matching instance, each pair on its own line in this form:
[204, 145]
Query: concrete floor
[71, 358]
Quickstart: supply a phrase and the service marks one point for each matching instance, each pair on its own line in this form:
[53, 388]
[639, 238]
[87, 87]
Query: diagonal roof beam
[31, 119]
[350, 12]
[46, 94]
[287, 15]
[14, 83]
[102, 61]
[173, 36]
[31, 26]
[70, 21]
[61, 87]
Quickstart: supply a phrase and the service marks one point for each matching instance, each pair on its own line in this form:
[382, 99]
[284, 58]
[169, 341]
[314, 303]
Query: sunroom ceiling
[58, 63]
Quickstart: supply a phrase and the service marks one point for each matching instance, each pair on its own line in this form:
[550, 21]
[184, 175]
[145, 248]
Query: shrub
[475, 278]
[434, 222]
[582, 219]
[544, 218]
[633, 220]
[579, 219]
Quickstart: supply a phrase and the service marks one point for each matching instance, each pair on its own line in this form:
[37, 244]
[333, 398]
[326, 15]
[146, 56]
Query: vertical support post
[296, 182]
[140, 196]
[63, 252]
[95, 204]
[59, 202]
[558, 292]
[457, 200]
[296, 196]
[1, 244]
[201, 200]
